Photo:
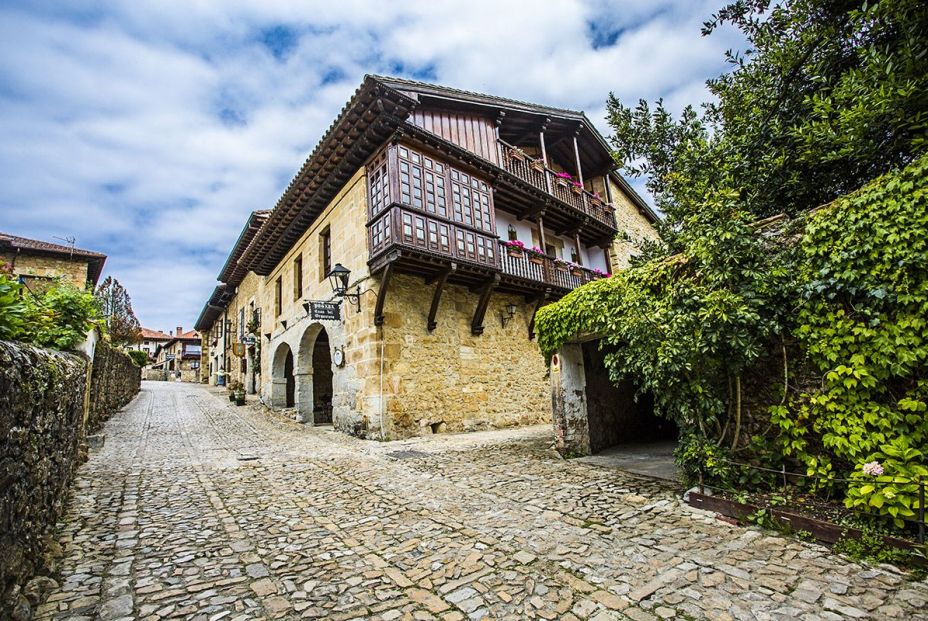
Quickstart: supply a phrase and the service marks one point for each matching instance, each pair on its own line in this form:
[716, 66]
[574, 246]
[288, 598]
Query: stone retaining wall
[46, 412]
[114, 382]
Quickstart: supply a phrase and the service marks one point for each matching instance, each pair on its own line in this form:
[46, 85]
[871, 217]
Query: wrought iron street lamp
[338, 279]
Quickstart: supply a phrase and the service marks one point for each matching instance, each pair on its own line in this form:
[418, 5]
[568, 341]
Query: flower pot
[576, 272]
[560, 181]
[538, 165]
[536, 259]
[576, 189]
[517, 155]
[240, 401]
[514, 251]
[597, 202]
[231, 396]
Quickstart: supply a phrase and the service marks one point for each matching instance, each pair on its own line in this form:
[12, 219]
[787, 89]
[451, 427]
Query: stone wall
[41, 427]
[633, 227]
[115, 380]
[49, 402]
[72, 271]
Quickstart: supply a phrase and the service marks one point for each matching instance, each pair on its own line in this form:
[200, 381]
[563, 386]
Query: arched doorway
[314, 373]
[283, 384]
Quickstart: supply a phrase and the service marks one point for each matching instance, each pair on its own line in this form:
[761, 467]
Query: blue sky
[149, 130]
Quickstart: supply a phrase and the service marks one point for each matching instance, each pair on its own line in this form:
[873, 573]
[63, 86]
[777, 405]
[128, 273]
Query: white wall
[593, 258]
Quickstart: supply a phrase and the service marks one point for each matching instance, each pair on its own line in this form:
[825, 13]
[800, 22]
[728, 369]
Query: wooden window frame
[278, 295]
[325, 253]
[298, 278]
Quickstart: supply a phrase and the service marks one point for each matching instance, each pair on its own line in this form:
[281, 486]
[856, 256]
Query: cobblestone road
[198, 510]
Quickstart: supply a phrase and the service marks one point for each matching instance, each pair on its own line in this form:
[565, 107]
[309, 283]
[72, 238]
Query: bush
[59, 317]
[140, 358]
[12, 308]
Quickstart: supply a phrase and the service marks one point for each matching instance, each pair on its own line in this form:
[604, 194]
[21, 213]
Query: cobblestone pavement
[195, 509]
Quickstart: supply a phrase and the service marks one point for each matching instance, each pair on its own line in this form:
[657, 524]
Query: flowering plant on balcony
[514, 247]
[518, 154]
[563, 179]
[601, 274]
[538, 164]
[560, 265]
[575, 268]
[597, 199]
[536, 255]
[577, 187]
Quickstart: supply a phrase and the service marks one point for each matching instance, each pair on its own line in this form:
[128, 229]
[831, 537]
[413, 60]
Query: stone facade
[40, 267]
[634, 228]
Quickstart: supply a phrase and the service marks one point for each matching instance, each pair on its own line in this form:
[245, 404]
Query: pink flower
[872, 468]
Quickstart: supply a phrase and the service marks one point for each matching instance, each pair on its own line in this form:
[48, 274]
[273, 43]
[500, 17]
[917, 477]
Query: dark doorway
[322, 379]
[614, 415]
[291, 380]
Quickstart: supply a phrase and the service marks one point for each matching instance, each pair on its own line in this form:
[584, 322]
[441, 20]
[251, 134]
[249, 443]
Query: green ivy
[12, 308]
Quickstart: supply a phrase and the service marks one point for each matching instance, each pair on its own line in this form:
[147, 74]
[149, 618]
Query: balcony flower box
[536, 255]
[560, 265]
[563, 179]
[576, 187]
[576, 270]
[515, 248]
[597, 200]
[538, 165]
[517, 154]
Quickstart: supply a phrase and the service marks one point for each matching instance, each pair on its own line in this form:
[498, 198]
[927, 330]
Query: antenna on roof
[70, 239]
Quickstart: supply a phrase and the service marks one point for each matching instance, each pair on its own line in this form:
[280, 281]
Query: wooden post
[608, 188]
[579, 256]
[577, 154]
[541, 233]
[499, 147]
[544, 153]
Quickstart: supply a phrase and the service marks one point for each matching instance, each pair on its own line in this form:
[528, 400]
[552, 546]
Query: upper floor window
[298, 277]
[325, 252]
[278, 295]
[241, 323]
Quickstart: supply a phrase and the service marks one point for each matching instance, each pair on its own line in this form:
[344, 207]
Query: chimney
[180, 331]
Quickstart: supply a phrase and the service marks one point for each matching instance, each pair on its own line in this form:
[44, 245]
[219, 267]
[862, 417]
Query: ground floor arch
[283, 387]
[315, 376]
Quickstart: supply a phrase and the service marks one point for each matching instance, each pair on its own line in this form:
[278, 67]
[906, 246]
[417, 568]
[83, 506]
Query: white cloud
[149, 130]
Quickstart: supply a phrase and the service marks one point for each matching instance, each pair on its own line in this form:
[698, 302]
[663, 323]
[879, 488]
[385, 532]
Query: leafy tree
[116, 307]
[830, 94]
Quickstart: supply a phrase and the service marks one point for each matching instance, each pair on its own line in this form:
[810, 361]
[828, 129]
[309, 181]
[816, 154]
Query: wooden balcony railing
[544, 269]
[400, 227]
[543, 178]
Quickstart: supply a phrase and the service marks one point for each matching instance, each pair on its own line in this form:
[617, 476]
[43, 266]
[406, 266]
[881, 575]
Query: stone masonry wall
[633, 227]
[41, 416]
[115, 380]
[450, 379]
[72, 271]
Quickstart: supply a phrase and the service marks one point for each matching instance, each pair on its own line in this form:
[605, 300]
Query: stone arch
[314, 376]
[283, 384]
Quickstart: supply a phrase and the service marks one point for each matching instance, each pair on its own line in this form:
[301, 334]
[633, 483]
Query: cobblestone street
[196, 509]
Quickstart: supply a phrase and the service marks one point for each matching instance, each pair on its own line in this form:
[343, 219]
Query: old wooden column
[499, 146]
[577, 241]
[608, 187]
[577, 153]
[544, 153]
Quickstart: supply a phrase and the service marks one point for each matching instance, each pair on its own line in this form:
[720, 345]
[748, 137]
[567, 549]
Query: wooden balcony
[531, 270]
[543, 178]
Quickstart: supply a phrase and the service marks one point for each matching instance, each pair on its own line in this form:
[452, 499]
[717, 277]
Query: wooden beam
[541, 232]
[544, 153]
[436, 296]
[577, 153]
[538, 303]
[476, 325]
[382, 294]
[577, 241]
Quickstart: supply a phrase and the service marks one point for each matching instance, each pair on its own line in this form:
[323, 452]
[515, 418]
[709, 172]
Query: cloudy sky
[149, 130]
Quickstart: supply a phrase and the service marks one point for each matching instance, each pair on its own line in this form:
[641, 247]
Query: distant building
[150, 341]
[179, 357]
[36, 262]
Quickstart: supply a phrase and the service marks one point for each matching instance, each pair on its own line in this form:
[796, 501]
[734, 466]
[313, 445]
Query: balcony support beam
[441, 279]
[544, 153]
[537, 303]
[577, 242]
[382, 294]
[476, 325]
[541, 232]
[577, 154]
[608, 187]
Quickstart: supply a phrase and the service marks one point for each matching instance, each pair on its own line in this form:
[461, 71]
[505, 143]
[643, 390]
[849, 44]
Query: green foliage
[872, 547]
[696, 455]
[863, 325]
[59, 316]
[12, 308]
[139, 358]
[830, 95]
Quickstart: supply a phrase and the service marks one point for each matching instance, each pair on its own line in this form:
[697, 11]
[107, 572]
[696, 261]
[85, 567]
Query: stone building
[428, 201]
[36, 262]
[178, 358]
[150, 341]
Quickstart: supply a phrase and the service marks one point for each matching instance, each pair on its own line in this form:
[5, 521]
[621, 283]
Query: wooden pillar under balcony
[476, 325]
[441, 279]
[577, 154]
[544, 153]
[499, 146]
[608, 187]
[382, 294]
[579, 256]
[541, 233]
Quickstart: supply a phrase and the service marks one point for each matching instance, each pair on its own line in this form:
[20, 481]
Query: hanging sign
[238, 349]
[324, 310]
